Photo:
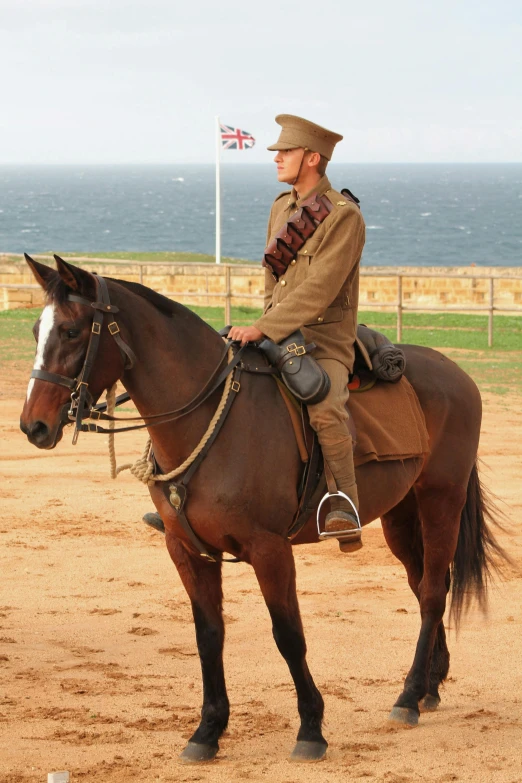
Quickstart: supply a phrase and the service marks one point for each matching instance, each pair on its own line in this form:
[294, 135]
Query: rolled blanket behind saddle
[388, 361]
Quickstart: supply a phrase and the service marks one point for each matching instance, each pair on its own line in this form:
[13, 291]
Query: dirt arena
[98, 667]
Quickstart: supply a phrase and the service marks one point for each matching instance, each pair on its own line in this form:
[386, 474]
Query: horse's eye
[72, 333]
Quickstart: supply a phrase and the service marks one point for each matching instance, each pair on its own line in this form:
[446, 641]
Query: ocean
[416, 214]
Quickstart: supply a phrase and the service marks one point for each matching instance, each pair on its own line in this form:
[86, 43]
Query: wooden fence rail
[228, 295]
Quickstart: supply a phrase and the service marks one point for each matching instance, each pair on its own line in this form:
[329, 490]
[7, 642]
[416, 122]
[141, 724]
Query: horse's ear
[75, 278]
[43, 274]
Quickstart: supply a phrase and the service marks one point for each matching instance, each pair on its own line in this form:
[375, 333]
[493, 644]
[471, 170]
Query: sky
[141, 81]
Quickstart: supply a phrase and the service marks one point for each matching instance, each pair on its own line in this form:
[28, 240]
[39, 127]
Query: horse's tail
[479, 556]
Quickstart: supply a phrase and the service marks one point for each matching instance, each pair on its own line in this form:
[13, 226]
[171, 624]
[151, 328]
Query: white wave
[374, 228]
[425, 214]
[178, 179]
[385, 200]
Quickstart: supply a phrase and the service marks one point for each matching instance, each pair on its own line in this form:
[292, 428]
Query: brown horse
[243, 496]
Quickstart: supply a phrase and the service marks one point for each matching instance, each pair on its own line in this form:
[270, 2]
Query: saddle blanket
[390, 423]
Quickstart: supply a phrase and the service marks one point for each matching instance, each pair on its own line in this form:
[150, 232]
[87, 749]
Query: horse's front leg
[273, 562]
[202, 581]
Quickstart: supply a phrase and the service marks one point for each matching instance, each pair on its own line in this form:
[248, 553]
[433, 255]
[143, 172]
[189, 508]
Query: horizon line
[266, 163]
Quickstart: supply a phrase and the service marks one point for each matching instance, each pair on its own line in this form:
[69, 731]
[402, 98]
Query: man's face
[288, 164]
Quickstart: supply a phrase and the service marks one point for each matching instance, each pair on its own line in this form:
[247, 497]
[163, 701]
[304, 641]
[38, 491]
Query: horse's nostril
[37, 431]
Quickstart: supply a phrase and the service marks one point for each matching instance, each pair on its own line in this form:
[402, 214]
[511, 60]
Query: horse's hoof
[196, 753]
[430, 703]
[309, 751]
[404, 716]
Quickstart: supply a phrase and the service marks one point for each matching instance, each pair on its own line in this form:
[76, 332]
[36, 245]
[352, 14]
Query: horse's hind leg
[439, 668]
[202, 581]
[440, 509]
[273, 562]
[402, 530]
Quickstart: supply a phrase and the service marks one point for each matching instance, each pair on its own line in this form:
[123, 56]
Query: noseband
[81, 398]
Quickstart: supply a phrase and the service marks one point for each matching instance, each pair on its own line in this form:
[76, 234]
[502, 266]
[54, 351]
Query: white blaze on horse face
[46, 325]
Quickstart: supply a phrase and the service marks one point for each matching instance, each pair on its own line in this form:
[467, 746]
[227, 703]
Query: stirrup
[323, 534]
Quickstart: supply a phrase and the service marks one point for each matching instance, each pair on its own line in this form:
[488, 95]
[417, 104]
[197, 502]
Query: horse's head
[72, 351]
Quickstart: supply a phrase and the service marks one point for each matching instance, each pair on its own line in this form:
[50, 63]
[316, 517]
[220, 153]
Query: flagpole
[218, 193]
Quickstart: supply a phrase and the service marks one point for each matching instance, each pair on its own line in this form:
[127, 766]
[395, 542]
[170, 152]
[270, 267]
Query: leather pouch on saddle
[305, 377]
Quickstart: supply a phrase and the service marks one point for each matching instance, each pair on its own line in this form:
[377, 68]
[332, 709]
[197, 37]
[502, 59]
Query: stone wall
[195, 284]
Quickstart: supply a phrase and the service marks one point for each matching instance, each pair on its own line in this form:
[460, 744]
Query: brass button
[341, 203]
[283, 282]
[292, 263]
[277, 305]
[305, 252]
[320, 319]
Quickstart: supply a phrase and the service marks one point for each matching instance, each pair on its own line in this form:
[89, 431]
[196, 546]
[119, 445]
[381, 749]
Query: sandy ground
[98, 668]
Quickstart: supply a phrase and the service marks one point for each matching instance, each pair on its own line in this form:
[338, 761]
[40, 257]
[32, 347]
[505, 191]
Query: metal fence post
[491, 310]
[399, 308]
[140, 266]
[228, 297]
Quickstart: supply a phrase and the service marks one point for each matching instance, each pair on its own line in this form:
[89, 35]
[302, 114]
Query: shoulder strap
[350, 196]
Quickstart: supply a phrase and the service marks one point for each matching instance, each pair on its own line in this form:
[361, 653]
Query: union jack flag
[235, 139]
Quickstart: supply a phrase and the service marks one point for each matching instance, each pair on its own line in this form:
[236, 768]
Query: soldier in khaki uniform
[318, 294]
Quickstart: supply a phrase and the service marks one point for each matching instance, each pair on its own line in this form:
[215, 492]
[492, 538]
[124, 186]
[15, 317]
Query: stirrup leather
[345, 534]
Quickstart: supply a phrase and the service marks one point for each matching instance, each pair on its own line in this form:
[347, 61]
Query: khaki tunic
[319, 292]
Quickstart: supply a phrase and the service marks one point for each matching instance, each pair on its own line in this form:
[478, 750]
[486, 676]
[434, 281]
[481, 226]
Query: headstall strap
[81, 399]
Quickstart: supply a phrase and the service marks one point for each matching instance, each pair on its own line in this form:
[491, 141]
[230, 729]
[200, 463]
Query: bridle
[80, 406]
[81, 398]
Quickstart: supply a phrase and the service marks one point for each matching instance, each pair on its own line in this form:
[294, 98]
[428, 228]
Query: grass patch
[462, 337]
[450, 330]
[163, 257]
[494, 372]
[16, 337]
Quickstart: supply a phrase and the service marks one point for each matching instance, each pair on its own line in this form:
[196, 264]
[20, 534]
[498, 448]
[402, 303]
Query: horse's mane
[57, 291]
[160, 302]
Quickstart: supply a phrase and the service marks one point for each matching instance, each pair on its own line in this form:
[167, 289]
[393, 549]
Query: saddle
[376, 358]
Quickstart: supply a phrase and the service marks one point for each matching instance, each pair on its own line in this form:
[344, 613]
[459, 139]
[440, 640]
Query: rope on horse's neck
[143, 468]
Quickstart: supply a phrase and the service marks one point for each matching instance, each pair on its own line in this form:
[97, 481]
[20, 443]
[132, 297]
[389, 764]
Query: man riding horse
[316, 291]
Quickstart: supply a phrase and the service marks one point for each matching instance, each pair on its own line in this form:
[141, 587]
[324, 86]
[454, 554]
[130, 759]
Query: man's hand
[247, 334]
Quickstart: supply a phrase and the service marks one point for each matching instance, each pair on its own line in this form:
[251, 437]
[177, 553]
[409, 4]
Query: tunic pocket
[330, 316]
[308, 250]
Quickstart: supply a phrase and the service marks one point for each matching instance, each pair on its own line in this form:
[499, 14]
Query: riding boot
[154, 520]
[342, 517]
